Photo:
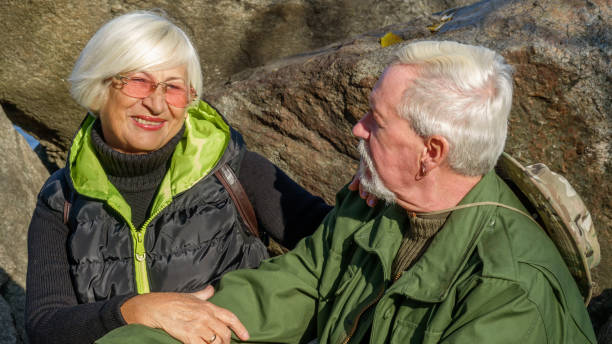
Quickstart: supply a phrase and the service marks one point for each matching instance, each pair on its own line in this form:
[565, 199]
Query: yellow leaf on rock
[436, 27]
[389, 39]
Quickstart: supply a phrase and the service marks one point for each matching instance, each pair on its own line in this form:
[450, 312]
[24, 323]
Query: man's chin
[389, 199]
[385, 195]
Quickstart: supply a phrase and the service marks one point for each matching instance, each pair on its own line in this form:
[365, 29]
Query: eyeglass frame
[191, 95]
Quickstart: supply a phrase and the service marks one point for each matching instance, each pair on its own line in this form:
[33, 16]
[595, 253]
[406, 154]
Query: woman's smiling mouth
[148, 123]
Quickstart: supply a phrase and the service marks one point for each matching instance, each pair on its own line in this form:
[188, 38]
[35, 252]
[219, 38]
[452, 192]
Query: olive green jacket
[489, 276]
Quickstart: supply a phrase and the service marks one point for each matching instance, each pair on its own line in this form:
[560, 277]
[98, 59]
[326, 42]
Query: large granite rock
[299, 111]
[42, 39]
[21, 176]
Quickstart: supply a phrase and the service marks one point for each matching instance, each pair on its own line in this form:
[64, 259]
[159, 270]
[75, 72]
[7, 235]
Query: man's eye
[372, 120]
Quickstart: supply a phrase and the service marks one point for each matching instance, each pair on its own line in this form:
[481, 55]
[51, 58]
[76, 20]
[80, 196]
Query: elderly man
[443, 259]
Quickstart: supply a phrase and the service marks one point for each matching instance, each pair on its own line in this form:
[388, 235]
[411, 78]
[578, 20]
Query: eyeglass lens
[139, 87]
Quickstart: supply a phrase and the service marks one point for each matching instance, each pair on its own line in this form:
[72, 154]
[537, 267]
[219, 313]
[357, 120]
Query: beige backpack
[555, 205]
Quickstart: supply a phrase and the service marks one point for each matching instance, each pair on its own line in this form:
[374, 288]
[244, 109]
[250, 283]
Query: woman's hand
[188, 317]
[355, 185]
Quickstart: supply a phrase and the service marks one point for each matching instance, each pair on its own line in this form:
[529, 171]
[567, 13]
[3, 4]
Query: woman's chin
[139, 145]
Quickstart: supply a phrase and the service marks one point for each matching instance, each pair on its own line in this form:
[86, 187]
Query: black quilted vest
[190, 244]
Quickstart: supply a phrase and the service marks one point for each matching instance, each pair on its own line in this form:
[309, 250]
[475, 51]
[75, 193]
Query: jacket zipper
[352, 332]
[380, 294]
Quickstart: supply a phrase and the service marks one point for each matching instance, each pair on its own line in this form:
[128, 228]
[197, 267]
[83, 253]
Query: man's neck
[441, 189]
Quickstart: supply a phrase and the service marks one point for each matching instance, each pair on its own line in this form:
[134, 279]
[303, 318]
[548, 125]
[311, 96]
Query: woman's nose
[156, 101]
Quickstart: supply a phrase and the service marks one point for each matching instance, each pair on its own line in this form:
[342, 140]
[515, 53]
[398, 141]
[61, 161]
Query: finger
[196, 340]
[212, 330]
[205, 293]
[231, 320]
[220, 334]
[213, 338]
[189, 339]
[362, 193]
[184, 333]
[371, 201]
[354, 185]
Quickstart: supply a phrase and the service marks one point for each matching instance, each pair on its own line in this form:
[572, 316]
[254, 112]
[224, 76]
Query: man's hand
[355, 185]
[188, 317]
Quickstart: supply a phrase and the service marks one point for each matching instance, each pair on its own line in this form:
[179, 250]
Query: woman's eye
[142, 80]
[175, 87]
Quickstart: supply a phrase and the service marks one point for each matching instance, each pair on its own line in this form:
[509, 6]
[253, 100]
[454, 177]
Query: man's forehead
[394, 80]
[399, 73]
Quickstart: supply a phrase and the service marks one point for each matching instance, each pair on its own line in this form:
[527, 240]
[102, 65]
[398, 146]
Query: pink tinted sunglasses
[140, 87]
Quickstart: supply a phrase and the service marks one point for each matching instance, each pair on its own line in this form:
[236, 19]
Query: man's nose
[360, 129]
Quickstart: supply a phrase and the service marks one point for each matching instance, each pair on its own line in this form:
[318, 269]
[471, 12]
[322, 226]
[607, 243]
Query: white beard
[368, 176]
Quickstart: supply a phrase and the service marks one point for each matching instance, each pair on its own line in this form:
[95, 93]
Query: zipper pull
[140, 250]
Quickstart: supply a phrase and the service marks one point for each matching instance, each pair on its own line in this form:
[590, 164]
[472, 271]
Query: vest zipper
[140, 264]
[140, 254]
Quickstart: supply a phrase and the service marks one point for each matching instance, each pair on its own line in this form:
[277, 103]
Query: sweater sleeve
[53, 314]
[283, 208]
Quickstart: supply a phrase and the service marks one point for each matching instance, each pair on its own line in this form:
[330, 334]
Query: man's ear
[436, 151]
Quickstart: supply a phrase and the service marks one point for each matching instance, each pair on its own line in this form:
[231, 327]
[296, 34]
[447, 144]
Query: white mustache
[369, 178]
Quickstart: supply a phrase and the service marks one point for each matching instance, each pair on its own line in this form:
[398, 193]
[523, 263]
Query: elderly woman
[137, 225]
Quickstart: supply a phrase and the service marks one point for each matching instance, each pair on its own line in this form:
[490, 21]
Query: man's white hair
[463, 93]
[137, 41]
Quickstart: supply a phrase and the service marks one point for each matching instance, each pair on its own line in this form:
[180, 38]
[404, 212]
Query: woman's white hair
[463, 93]
[136, 41]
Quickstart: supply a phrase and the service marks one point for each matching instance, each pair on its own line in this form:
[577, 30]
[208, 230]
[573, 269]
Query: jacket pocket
[405, 332]
[345, 281]
[410, 325]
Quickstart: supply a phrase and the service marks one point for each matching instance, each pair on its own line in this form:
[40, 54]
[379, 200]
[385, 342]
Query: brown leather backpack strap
[231, 183]
[66, 211]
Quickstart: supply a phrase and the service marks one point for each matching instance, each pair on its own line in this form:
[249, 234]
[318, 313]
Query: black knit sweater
[136, 176]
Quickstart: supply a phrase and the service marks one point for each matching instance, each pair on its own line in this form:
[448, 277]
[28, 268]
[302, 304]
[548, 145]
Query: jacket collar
[432, 275]
[205, 140]
[383, 234]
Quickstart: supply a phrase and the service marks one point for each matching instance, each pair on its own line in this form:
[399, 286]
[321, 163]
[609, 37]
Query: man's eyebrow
[376, 116]
[371, 102]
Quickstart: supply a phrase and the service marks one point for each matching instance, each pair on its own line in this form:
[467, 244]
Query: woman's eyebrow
[141, 72]
[168, 79]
